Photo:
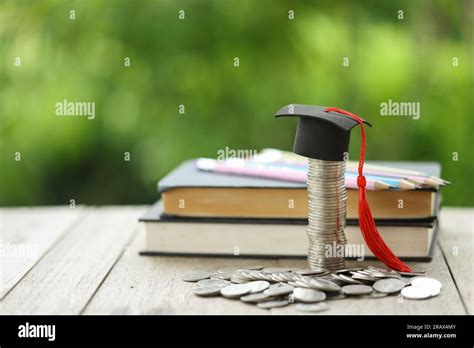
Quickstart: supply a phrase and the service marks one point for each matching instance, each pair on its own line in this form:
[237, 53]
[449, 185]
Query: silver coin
[331, 266]
[268, 277]
[273, 304]
[235, 290]
[312, 307]
[333, 220]
[335, 277]
[382, 273]
[279, 291]
[418, 270]
[435, 292]
[278, 277]
[386, 275]
[332, 278]
[389, 285]
[288, 276]
[239, 280]
[223, 276]
[374, 294]
[333, 211]
[230, 269]
[277, 285]
[324, 285]
[356, 289]
[276, 269]
[412, 274]
[333, 190]
[195, 276]
[338, 296]
[432, 284]
[379, 269]
[213, 282]
[308, 295]
[252, 267]
[364, 277]
[300, 284]
[254, 298]
[414, 293]
[336, 223]
[311, 271]
[321, 234]
[349, 280]
[207, 290]
[348, 270]
[377, 274]
[416, 277]
[321, 274]
[254, 274]
[297, 284]
[258, 286]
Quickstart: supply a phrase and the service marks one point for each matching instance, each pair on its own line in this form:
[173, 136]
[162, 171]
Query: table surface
[84, 260]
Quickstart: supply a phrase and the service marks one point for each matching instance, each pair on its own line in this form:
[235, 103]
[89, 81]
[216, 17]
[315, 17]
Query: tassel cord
[366, 221]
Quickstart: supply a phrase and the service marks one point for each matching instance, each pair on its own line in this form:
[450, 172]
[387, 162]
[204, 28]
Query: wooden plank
[26, 235]
[152, 285]
[457, 244]
[69, 274]
[447, 302]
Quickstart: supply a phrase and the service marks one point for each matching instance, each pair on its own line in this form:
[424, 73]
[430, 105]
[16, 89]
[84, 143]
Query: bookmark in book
[322, 135]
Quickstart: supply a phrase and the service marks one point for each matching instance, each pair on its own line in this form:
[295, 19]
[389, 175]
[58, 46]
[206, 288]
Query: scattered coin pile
[309, 289]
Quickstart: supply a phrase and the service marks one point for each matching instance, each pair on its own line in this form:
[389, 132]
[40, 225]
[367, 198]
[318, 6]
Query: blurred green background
[191, 62]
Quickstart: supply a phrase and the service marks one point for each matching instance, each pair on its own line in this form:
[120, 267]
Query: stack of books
[258, 207]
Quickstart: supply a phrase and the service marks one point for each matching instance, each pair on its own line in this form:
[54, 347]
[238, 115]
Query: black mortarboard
[320, 134]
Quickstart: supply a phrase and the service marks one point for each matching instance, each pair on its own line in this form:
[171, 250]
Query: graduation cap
[320, 134]
[323, 133]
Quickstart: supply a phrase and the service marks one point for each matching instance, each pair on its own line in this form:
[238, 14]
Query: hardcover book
[187, 191]
[252, 237]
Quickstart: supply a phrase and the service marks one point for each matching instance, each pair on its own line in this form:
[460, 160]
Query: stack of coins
[326, 214]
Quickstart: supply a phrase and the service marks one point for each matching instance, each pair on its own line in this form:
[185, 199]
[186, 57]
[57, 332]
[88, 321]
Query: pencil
[396, 183]
[420, 180]
[291, 159]
[392, 171]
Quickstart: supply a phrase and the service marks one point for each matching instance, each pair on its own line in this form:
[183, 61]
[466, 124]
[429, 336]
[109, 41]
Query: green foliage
[190, 62]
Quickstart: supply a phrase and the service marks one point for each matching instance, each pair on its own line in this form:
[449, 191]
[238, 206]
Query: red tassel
[366, 221]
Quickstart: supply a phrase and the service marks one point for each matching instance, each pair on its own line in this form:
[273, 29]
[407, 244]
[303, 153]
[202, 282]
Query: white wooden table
[58, 260]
